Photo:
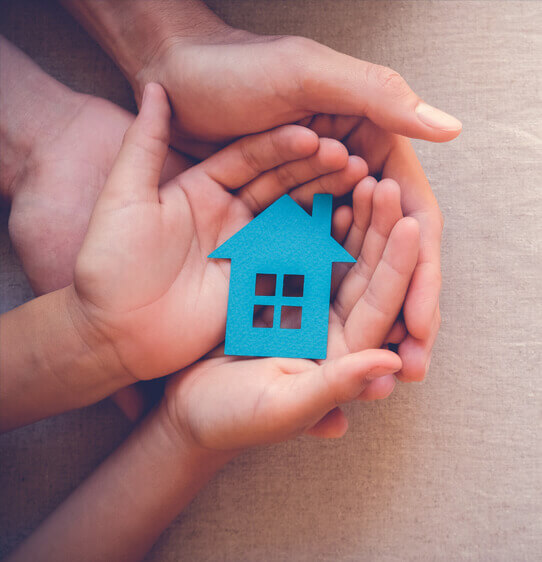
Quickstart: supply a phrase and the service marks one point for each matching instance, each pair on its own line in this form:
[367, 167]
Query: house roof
[285, 231]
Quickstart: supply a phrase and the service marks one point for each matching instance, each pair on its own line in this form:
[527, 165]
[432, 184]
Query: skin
[49, 218]
[273, 80]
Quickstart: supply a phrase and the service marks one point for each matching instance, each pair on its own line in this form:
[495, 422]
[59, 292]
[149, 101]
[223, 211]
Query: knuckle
[388, 80]
[300, 59]
[285, 176]
[248, 155]
[297, 45]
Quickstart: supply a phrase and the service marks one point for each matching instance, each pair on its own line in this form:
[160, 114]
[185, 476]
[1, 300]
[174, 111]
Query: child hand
[225, 403]
[142, 278]
[229, 404]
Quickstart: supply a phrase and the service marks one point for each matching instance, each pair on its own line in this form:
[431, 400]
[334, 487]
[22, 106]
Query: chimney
[321, 211]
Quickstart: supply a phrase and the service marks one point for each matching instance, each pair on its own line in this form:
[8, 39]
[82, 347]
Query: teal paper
[282, 240]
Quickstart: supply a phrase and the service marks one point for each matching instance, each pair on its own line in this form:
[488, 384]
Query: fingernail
[436, 118]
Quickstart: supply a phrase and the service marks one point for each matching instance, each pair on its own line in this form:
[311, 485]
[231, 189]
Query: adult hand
[238, 83]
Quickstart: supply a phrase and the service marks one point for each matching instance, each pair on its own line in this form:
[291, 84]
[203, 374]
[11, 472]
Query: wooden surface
[444, 470]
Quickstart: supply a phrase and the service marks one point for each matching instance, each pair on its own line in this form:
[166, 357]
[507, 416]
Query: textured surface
[444, 470]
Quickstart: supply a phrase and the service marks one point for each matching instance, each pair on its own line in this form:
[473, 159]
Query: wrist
[51, 360]
[180, 434]
[180, 438]
[96, 348]
[134, 32]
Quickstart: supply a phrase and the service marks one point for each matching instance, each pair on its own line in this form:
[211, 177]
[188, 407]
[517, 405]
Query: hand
[231, 404]
[226, 403]
[53, 196]
[274, 80]
[142, 277]
[391, 156]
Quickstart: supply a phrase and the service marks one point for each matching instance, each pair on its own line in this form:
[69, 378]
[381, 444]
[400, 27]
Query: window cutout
[262, 316]
[290, 317]
[293, 286]
[266, 284]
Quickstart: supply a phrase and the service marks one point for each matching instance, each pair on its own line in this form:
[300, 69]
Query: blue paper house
[292, 252]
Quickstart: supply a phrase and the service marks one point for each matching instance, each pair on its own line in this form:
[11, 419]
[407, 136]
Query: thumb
[336, 83]
[338, 381]
[136, 172]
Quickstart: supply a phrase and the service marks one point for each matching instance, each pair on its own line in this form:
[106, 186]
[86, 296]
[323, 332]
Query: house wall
[308, 342]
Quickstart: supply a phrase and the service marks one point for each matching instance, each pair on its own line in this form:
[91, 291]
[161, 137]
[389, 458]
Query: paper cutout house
[280, 242]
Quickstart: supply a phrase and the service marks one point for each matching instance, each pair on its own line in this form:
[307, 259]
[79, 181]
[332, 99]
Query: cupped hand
[142, 277]
[391, 156]
[232, 403]
[225, 403]
[232, 83]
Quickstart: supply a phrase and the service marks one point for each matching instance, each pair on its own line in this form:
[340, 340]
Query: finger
[362, 203]
[386, 212]
[319, 390]
[418, 202]
[395, 158]
[416, 354]
[332, 426]
[375, 312]
[341, 222]
[136, 172]
[397, 333]
[378, 389]
[268, 187]
[337, 183]
[422, 299]
[250, 156]
[362, 197]
[332, 82]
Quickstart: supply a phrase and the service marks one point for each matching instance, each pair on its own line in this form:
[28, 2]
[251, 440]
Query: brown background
[444, 470]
